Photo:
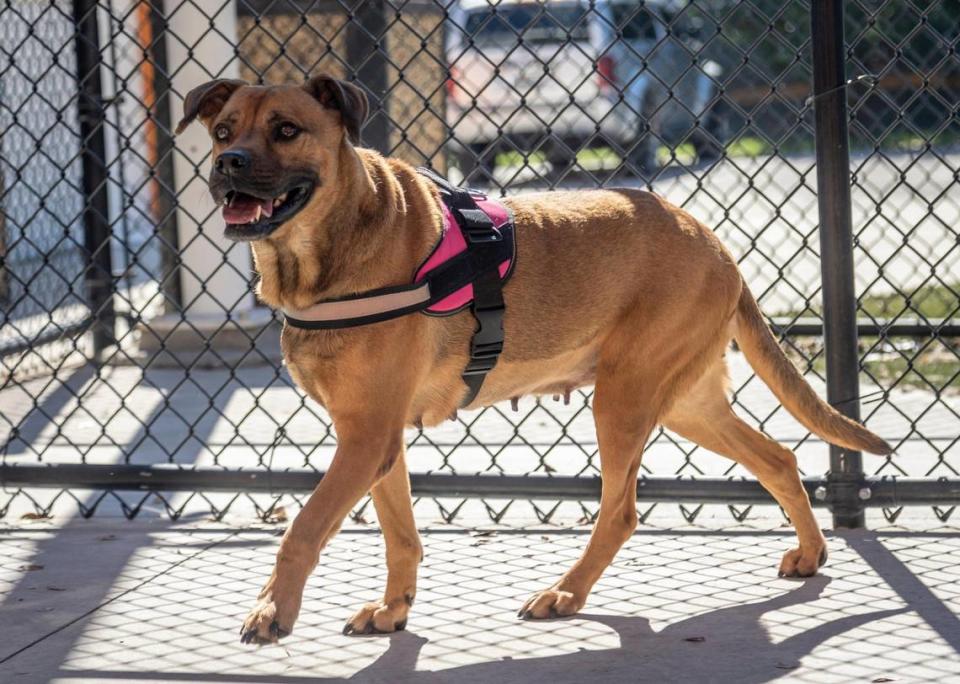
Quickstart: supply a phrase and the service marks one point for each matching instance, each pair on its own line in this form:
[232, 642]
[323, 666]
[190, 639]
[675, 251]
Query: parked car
[554, 77]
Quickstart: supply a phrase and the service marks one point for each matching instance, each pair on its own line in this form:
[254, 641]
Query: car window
[634, 22]
[537, 23]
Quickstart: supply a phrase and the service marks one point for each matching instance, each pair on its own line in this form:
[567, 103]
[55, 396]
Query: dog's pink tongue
[243, 209]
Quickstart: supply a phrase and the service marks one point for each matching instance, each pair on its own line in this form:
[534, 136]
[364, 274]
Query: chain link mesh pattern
[706, 102]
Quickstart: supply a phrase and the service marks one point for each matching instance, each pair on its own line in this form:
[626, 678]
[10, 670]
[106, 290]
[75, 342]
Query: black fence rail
[820, 140]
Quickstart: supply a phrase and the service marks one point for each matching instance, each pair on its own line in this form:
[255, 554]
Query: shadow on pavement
[905, 583]
[728, 644]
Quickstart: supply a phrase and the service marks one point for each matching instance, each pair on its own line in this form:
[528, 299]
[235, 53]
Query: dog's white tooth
[256, 217]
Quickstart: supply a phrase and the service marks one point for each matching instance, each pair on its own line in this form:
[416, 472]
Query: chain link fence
[135, 358]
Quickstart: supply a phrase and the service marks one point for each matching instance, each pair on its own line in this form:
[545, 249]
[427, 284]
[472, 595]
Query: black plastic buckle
[487, 342]
[477, 226]
[480, 366]
[488, 339]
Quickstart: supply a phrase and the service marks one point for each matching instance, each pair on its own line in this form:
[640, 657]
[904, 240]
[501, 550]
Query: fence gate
[820, 140]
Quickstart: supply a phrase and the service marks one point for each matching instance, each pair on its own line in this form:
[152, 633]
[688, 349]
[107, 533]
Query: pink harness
[452, 242]
[468, 268]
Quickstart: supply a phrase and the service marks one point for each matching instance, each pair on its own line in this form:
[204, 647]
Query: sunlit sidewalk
[151, 600]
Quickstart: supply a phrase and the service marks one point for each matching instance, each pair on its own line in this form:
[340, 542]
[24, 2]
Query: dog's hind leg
[704, 415]
[391, 497]
[623, 427]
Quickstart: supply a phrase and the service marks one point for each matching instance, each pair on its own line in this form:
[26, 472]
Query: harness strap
[375, 306]
[488, 307]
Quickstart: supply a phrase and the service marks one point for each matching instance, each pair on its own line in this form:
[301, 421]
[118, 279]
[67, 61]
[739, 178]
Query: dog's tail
[770, 363]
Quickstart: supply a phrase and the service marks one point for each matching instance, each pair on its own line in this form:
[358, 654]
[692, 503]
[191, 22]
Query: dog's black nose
[233, 161]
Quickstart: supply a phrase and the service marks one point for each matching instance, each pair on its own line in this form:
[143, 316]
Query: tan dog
[612, 288]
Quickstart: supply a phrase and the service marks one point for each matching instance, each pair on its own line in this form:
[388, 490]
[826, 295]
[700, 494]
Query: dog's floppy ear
[207, 100]
[345, 97]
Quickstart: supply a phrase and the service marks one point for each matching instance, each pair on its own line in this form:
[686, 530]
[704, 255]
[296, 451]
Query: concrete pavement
[152, 601]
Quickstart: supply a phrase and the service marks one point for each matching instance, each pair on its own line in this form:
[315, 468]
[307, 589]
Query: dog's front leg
[391, 497]
[365, 451]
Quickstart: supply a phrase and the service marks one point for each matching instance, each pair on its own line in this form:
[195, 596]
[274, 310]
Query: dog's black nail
[553, 612]
[247, 637]
[400, 626]
[527, 614]
[348, 629]
[823, 558]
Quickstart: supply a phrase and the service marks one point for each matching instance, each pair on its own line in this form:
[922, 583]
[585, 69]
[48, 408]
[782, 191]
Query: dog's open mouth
[252, 217]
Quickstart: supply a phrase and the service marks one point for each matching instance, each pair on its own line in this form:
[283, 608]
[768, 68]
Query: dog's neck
[364, 238]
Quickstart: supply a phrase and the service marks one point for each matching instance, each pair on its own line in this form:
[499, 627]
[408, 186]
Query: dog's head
[275, 148]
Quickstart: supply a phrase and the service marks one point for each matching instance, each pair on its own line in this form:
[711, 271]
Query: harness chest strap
[469, 266]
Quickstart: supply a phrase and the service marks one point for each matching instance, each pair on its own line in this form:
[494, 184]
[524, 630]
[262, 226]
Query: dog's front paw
[268, 622]
[551, 603]
[379, 617]
[803, 562]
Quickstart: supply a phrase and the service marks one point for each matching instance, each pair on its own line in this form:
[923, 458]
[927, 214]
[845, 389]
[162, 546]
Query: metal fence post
[366, 56]
[166, 197]
[836, 252]
[96, 220]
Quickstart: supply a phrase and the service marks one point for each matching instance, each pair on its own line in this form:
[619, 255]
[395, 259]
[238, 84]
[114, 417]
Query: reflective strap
[361, 307]
[351, 312]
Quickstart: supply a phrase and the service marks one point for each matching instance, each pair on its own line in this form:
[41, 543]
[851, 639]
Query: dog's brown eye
[221, 133]
[287, 130]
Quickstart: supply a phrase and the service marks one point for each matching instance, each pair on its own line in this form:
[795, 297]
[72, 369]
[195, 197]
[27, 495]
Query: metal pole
[166, 198]
[96, 223]
[367, 58]
[836, 251]
[882, 491]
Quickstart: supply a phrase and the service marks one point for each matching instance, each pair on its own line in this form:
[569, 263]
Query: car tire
[641, 158]
[477, 162]
[561, 162]
[710, 142]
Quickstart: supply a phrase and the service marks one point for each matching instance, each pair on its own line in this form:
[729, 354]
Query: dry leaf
[278, 515]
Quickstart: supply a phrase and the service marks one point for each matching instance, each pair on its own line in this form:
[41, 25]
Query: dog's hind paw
[379, 618]
[803, 562]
